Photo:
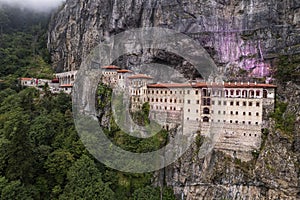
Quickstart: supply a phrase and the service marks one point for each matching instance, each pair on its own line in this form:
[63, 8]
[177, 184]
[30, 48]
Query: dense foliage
[23, 51]
[41, 155]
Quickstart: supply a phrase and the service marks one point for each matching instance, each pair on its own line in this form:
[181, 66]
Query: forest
[42, 156]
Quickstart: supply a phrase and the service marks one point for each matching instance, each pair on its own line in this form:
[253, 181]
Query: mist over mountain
[36, 5]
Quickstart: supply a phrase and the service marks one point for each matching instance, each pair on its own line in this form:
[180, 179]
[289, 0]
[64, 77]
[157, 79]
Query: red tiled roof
[124, 71]
[55, 80]
[110, 67]
[140, 76]
[200, 85]
[66, 85]
[26, 79]
[250, 85]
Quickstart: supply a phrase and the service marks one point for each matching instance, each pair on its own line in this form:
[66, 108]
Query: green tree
[15, 191]
[19, 154]
[85, 182]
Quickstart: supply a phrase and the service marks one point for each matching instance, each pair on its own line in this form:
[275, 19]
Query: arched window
[238, 92]
[265, 94]
[204, 92]
[226, 93]
[251, 93]
[205, 119]
[257, 93]
[205, 110]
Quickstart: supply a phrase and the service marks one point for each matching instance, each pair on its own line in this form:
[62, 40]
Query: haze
[38, 5]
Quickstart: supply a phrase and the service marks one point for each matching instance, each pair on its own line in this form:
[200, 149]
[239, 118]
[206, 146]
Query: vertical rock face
[238, 34]
[245, 34]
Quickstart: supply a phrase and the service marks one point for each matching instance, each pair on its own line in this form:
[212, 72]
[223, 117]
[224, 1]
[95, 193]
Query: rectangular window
[231, 112]
[219, 112]
[249, 122]
[188, 92]
[250, 103]
[231, 103]
[237, 113]
[237, 103]
[224, 103]
[219, 102]
[257, 114]
[244, 113]
[224, 112]
[196, 92]
[257, 104]
[197, 102]
[244, 103]
[213, 102]
[249, 113]
[189, 101]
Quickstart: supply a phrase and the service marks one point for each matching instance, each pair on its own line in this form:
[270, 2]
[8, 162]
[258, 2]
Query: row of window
[232, 113]
[165, 108]
[137, 92]
[165, 100]
[170, 92]
[110, 73]
[237, 103]
[226, 93]
[205, 101]
[206, 119]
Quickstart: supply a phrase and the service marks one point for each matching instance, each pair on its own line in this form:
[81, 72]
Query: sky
[38, 5]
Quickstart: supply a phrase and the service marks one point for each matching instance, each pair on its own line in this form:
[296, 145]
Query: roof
[55, 80]
[124, 71]
[203, 84]
[248, 85]
[110, 67]
[140, 76]
[66, 85]
[26, 79]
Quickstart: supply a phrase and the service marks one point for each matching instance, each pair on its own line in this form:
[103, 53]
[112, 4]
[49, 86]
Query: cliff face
[246, 34]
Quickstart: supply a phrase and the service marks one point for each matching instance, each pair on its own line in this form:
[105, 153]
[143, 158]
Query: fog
[37, 5]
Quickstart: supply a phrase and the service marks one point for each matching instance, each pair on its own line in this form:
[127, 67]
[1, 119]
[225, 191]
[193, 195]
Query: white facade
[234, 112]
